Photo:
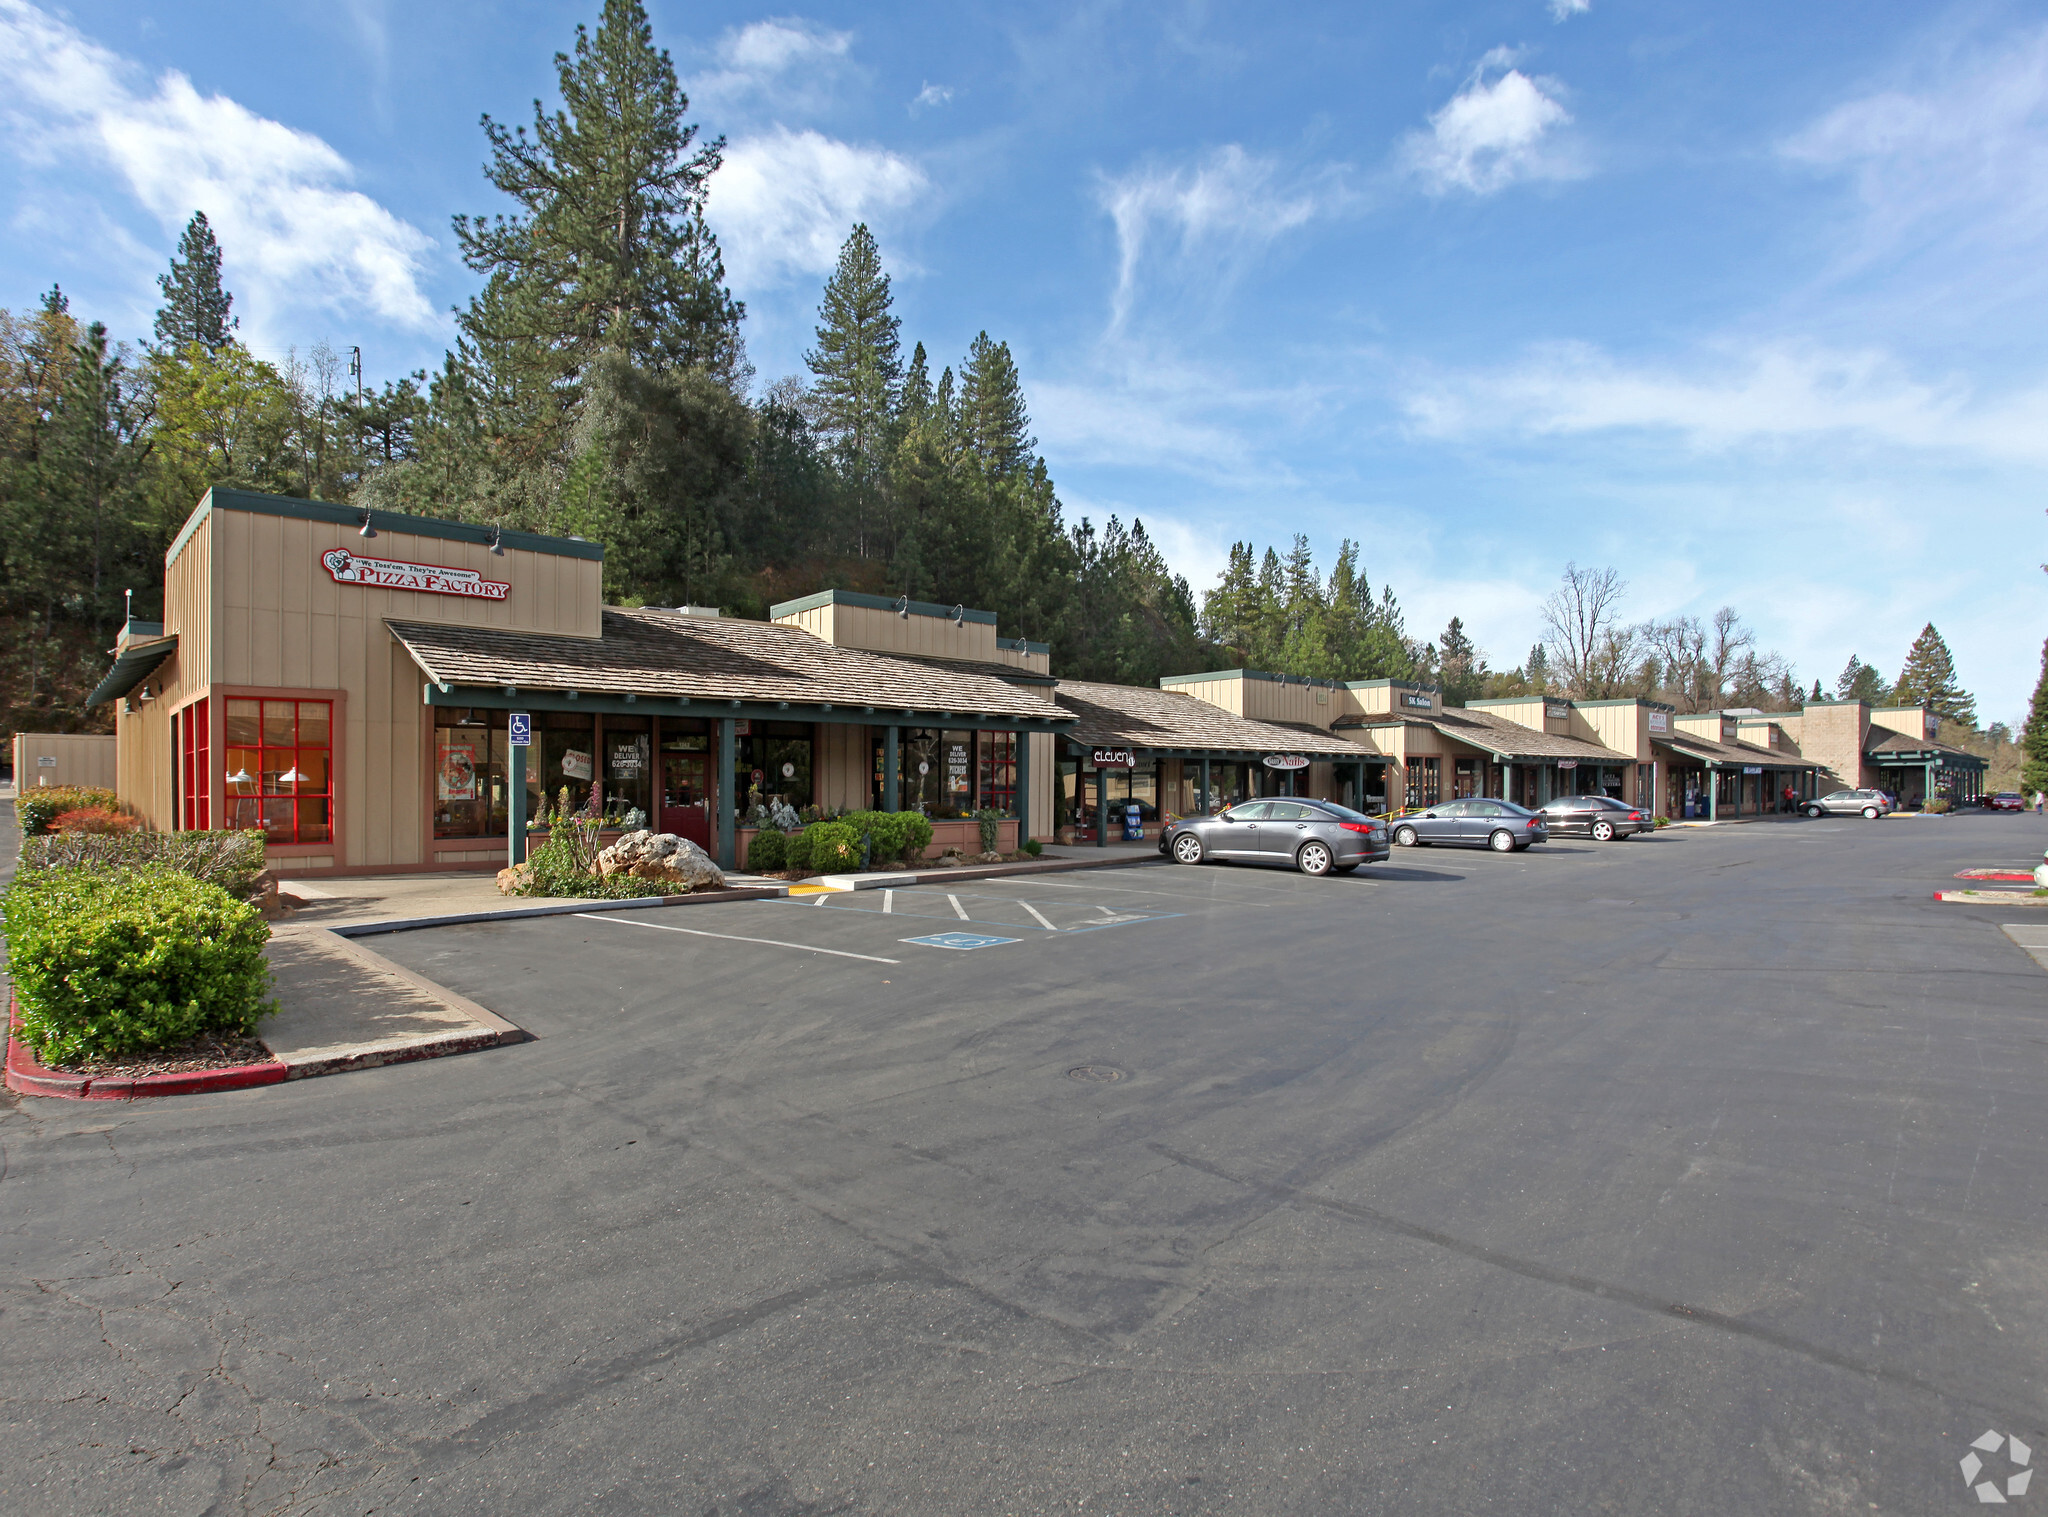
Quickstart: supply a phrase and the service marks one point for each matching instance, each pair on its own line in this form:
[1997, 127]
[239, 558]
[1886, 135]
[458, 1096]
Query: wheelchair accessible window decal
[350, 568]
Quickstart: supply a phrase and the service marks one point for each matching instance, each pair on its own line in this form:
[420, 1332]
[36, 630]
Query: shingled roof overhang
[132, 665]
[1512, 743]
[1717, 755]
[1165, 721]
[651, 662]
[1901, 749]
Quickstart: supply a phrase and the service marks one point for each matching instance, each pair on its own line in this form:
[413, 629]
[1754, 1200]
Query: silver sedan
[1316, 837]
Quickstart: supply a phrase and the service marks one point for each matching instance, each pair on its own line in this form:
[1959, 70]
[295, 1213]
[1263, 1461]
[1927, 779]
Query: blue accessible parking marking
[960, 940]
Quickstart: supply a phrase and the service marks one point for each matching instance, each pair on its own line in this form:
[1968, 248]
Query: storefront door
[686, 796]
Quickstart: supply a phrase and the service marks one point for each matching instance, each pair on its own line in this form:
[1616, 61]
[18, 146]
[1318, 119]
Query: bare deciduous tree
[1586, 642]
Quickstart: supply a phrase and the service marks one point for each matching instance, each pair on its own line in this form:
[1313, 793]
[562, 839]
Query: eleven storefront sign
[349, 568]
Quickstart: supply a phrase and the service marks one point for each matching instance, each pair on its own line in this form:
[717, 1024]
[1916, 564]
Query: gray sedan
[1316, 837]
[1481, 823]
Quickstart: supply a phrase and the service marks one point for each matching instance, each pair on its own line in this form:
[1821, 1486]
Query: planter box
[965, 835]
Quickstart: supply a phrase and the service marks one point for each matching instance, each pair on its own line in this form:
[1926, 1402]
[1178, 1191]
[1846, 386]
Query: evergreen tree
[195, 307]
[994, 425]
[1859, 681]
[1461, 668]
[1539, 668]
[91, 473]
[2034, 735]
[857, 360]
[917, 387]
[608, 247]
[1816, 692]
[1929, 679]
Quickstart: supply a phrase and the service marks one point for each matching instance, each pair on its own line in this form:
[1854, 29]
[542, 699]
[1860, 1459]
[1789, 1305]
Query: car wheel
[1313, 858]
[1603, 832]
[1869, 813]
[1502, 841]
[1405, 836]
[1815, 812]
[1187, 849]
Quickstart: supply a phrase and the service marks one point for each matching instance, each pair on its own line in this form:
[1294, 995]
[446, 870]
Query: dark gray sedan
[1479, 823]
[1599, 817]
[1316, 837]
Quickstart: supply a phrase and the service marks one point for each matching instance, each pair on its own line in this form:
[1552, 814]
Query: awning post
[892, 791]
[1101, 808]
[515, 811]
[1023, 787]
[728, 757]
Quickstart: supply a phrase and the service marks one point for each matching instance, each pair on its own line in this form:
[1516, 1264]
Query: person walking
[2039, 799]
[1790, 803]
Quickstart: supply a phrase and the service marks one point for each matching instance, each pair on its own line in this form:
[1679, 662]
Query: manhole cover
[1100, 1074]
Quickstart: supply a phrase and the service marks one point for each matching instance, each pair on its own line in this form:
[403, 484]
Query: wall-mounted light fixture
[368, 528]
[960, 615]
[498, 541]
[903, 607]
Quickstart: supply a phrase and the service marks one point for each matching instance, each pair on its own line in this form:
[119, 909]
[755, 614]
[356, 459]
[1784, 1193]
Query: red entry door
[686, 797]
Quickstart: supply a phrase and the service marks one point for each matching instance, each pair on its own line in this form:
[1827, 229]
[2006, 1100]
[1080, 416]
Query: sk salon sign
[388, 574]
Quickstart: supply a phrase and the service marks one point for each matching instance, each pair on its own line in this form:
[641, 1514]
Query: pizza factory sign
[390, 574]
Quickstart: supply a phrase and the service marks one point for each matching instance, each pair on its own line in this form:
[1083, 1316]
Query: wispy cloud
[293, 234]
[1733, 395]
[1500, 128]
[1223, 209]
[785, 200]
[1564, 10]
[932, 95]
[770, 67]
[1953, 159]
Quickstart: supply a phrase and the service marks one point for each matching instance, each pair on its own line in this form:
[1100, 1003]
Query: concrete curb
[565, 908]
[1991, 897]
[974, 872]
[29, 1076]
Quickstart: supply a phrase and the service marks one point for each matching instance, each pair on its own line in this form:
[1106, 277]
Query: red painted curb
[25, 1073]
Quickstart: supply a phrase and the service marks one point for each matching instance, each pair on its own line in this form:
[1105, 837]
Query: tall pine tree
[858, 360]
[994, 425]
[2034, 735]
[1929, 679]
[195, 307]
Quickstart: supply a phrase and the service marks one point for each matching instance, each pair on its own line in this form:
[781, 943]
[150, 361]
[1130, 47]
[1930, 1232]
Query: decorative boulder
[514, 881]
[660, 856]
[991, 857]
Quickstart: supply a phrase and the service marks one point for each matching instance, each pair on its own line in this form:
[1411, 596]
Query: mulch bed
[207, 1051]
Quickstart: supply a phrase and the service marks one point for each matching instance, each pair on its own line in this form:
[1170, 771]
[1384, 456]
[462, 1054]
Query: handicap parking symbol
[960, 940]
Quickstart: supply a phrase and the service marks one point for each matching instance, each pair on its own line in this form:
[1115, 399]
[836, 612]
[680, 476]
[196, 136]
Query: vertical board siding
[83, 758]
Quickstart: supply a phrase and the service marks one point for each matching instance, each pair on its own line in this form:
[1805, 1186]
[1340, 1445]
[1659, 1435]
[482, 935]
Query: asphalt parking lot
[1703, 1173]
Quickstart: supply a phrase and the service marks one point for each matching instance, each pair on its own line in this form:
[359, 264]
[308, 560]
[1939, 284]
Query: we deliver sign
[390, 574]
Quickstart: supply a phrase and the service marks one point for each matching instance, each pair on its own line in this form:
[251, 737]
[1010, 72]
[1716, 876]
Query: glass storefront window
[773, 761]
[996, 780]
[1425, 781]
[563, 756]
[471, 762]
[628, 770]
[279, 775]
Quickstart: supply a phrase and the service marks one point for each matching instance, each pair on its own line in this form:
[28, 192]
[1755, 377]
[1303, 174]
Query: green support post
[1713, 794]
[892, 788]
[515, 811]
[1208, 806]
[1023, 788]
[1101, 810]
[728, 755]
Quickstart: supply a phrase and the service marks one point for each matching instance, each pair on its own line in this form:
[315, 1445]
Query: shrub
[769, 850]
[1939, 805]
[94, 819]
[834, 845]
[887, 832]
[34, 808]
[230, 859]
[117, 961]
[917, 834]
[1033, 847]
[986, 819]
[796, 850]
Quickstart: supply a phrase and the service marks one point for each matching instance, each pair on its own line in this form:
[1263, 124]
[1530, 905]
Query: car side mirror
[1429, 816]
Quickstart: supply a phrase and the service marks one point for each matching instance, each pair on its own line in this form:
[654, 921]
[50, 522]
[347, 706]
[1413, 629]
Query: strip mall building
[343, 680]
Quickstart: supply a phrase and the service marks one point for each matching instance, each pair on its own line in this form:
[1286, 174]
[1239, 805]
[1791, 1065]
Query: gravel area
[206, 1052]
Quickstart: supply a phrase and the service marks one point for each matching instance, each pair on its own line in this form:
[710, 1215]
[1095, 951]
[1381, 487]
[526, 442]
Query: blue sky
[1743, 299]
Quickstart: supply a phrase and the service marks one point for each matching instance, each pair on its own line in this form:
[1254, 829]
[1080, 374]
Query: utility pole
[355, 369]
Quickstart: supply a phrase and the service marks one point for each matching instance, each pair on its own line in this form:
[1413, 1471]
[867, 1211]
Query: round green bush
[37, 805]
[917, 834]
[796, 850]
[769, 850]
[113, 962]
[1033, 847]
[834, 845]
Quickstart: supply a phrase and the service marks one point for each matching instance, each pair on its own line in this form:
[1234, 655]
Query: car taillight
[1358, 827]
[1635, 816]
[1535, 821]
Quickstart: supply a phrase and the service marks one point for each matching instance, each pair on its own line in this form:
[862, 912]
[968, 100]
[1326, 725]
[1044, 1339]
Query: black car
[1599, 817]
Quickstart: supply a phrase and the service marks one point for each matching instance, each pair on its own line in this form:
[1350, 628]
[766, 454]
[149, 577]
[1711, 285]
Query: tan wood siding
[80, 758]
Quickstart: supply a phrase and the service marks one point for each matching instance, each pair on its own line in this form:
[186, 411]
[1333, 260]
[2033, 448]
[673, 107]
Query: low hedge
[230, 859]
[834, 846]
[769, 850]
[796, 850]
[39, 805]
[108, 962]
[892, 834]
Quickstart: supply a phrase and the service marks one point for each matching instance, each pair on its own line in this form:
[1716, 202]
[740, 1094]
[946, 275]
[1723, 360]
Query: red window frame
[195, 771]
[278, 767]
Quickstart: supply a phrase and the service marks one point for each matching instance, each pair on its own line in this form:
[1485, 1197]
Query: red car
[2006, 800]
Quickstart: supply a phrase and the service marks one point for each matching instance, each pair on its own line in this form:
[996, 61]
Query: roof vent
[711, 611]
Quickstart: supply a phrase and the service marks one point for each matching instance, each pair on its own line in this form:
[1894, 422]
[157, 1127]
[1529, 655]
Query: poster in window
[575, 763]
[625, 760]
[455, 774]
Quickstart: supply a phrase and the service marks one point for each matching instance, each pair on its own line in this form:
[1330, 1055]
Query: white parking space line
[888, 903]
[697, 932]
[958, 910]
[1038, 915]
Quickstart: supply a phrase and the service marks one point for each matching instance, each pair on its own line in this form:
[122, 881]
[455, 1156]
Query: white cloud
[784, 201]
[1564, 10]
[1760, 393]
[1961, 157]
[1229, 206]
[1498, 129]
[777, 65]
[291, 233]
[933, 95]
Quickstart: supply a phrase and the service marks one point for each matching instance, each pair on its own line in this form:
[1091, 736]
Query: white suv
[1869, 804]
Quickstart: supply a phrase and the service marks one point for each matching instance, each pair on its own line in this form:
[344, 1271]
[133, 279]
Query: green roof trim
[1390, 684]
[1023, 645]
[220, 498]
[1168, 681]
[132, 666]
[876, 603]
